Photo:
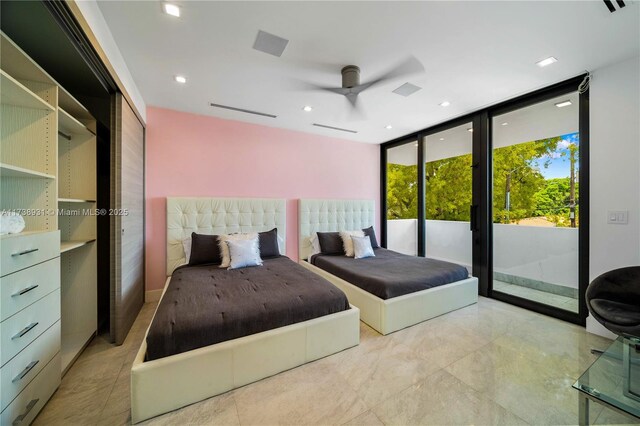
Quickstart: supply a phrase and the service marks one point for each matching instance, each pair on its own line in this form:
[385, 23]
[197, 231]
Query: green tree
[402, 191]
[448, 188]
[516, 178]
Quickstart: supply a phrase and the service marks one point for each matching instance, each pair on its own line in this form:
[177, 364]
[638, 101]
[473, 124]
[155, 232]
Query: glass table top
[614, 378]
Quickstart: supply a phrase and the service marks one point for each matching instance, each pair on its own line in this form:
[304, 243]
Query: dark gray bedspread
[391, 274]
[204, 304]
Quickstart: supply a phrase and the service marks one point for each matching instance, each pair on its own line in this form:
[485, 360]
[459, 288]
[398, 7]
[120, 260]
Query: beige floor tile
[537, 392]
[365, 419]
[610, 417]
[442, 399]
[502, 364]
[311, 394]
[219, 410]
[379, 372]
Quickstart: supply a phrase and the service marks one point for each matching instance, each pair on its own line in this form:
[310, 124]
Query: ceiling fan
[352, 87]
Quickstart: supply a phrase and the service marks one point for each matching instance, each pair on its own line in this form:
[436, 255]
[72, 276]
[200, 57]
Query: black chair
[613, 299]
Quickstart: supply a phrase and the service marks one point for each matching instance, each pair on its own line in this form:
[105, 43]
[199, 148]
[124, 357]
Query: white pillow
[315, 244]
[186, 246]
[346, 241]
[244, 253]
[362, 247]
[224, 248]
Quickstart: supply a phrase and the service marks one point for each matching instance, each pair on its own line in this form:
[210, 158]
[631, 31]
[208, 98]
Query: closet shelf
[75, 200]
[7, 170]
[74, 244]
[70, 126]
[15, 93]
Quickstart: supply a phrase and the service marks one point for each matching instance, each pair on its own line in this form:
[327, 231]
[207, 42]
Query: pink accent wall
[196, 155]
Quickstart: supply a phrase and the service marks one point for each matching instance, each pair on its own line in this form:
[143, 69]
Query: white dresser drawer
[18, 372]
[26, 406]
[22, 328]
[21, 251]
[21, 289]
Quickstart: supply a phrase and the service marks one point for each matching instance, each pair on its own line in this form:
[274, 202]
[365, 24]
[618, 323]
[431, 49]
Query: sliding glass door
[402, 197]
[503, 191]
[536, 202]
[448, 194]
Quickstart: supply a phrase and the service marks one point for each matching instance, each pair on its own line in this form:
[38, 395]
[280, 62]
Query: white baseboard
[152, 295]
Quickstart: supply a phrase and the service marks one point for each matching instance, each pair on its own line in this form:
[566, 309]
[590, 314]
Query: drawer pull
[20, 253]
[25, 371]
[24, 290]
[22, 416]
[25, 330]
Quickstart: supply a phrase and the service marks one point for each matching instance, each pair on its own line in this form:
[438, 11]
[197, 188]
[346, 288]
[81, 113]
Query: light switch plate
[618, 217]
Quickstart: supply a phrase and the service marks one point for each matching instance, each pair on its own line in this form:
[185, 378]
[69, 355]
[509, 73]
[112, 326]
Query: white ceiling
[539, 121]
[474, 53]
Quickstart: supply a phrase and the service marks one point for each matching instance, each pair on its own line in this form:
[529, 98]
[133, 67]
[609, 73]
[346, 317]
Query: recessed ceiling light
[543, 63]
[445, 104]
[307, 108]
[505, 124]
[563, 104]
[415, 144]
[470, 129]
[181, 79]
[388, 127]
[441, 139]
[171, 9]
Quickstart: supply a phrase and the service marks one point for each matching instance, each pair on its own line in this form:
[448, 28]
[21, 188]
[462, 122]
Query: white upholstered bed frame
[166, 384]
[384, 315]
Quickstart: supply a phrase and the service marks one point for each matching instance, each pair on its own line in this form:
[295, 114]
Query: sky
[559, 166]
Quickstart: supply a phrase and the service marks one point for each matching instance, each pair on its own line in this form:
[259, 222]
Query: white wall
[614, 168]
[94, 18]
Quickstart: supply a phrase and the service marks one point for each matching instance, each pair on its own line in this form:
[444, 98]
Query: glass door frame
[482, 193]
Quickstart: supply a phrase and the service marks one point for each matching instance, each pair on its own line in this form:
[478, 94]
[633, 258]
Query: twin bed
[215, 329]
[392, 290]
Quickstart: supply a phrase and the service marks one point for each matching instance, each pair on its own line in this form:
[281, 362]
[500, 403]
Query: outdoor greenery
[517, 170]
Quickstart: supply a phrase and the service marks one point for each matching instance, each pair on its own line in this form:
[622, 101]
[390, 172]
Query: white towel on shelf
[11, 223]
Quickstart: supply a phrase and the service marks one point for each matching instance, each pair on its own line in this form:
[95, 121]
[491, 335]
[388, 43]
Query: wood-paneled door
[127, 218]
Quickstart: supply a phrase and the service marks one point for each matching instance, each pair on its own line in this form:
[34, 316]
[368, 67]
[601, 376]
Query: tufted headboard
[219, 216]
[330, 216]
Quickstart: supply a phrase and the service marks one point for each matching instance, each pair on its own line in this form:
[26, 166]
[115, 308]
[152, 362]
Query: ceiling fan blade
[408, 66]
[356, 112]
[307, 85]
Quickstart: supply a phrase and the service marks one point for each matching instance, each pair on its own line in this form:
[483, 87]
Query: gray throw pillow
[330, 243]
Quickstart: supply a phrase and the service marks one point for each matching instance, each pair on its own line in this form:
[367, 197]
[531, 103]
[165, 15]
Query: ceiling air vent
[335, 128]
[611, 6]
[407, 89]
[269, 43]
[247, 111]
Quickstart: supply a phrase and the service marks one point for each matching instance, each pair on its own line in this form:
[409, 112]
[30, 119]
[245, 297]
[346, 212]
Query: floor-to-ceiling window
[503, 191]
[402, 197]
[448, 194]
[536, 202]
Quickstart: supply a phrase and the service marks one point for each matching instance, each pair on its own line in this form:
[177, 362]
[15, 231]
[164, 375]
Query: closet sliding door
[127, 218]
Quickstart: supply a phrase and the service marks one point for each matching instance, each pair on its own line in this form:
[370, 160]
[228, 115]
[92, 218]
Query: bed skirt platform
[389, 315]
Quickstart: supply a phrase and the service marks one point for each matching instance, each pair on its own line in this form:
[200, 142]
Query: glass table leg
[583, 410]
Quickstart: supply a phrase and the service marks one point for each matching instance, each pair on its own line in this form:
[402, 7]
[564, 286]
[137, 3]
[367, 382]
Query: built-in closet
[72, 165]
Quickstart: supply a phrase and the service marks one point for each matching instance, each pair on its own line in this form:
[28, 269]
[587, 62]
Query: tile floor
[563, 302]
[489, 363]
